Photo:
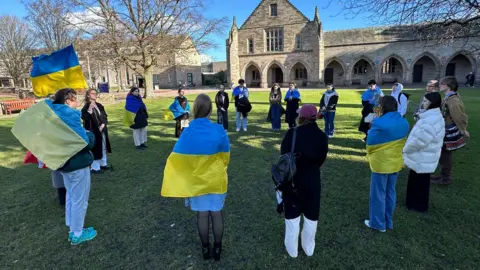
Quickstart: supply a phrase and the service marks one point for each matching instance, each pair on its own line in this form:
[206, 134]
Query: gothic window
[255, 75]
[273, 10]
[389, 66]
[298, 42]
[250, 46]
[274, 39]
[360, 67]
[300, 73]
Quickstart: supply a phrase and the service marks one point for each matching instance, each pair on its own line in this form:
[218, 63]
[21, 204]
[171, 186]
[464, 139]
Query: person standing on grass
[400, 97]
[181, 112]
[311, 148]
[328, 107]
[385, 141]
[432, 86]
[222, 102]
[197, 170]
[135, 104]
[293, 99]
[76, 173]
[369, 100]
[456, 122]
[276, 107]
[240, 95]
[95, 119]
[422, 151]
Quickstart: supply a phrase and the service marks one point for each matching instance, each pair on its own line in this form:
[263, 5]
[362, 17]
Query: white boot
[292, 230]
[308, 236]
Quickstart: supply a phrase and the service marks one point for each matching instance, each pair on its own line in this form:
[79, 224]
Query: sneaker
[106, 168]
[330, 136]
[97, 172]
[87, 235]
[143, 145]
[367, 222]
[245, 129]
[70, 234]
[238, 130]
[140, 147]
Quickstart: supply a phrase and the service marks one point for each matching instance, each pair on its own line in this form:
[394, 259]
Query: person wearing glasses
[432, 86]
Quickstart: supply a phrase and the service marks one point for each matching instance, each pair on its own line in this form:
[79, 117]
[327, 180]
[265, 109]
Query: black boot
[206, 251]
[217, 251]
[62, 194]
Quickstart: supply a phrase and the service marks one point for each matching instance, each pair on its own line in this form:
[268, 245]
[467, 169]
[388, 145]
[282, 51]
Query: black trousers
[418, 191]
[222, 118]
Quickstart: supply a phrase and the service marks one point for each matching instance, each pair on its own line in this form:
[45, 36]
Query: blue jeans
[382, 200]
[329, 118]
[241, 121]
[77, 184]
[275, 115]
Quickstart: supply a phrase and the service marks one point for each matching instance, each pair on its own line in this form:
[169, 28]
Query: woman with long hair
[181, 112]
[422, 151]
[276, 107]
[303, 198]
[95, 119]
[136, 117]
[197, 170]
[293, 99]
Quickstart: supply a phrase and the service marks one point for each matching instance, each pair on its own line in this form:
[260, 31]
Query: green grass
[139, 229]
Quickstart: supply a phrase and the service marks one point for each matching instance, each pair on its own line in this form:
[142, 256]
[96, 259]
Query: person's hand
[467, 134]
[101, 127]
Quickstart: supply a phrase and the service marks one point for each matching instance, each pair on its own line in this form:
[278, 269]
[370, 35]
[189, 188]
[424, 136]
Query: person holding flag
[197, 170]
[136, 117]
[181, 112]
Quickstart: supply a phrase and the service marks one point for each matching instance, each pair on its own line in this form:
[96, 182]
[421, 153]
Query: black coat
[332, 103]
[243, 105]
[140, 120]
[220, 102]
[311, 149]
[93, 122]
[291, 111]
[367, 109]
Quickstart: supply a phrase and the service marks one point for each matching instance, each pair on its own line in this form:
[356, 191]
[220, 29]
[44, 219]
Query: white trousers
[140, 136]
[292, 231]
[97, 164]
[77, 184]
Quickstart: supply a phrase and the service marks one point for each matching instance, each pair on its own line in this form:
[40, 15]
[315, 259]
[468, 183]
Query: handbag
[453, 139]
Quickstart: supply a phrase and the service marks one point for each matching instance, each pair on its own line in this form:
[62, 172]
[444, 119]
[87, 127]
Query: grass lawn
[139, 229]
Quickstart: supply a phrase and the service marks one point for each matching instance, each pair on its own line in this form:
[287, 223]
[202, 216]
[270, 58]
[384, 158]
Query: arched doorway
[334, 73]
[391, 71]
[424, 69]
[459, 66]
[299, 74]
[274, 75]
[362, 72]
[253, 77]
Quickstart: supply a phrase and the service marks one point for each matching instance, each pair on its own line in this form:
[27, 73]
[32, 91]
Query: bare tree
[17, 43]
[441, 21]
[143, 32]
[49, 20]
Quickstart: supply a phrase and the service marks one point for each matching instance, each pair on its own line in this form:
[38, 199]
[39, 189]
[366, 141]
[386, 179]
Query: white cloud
[86, 20]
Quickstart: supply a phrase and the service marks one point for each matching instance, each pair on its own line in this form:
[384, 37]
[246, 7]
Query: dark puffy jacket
[82, 159]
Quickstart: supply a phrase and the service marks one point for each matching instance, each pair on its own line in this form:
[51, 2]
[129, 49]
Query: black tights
[203, 224]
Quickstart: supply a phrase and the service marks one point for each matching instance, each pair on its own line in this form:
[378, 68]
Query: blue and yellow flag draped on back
[199, 161]
[132, 106]
[385, 142]
[61, 69]
[52, 132]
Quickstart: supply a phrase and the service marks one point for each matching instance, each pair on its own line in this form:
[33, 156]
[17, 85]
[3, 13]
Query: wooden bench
[9, 106]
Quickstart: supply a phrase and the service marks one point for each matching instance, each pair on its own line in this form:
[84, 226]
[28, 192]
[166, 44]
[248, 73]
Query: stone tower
[321, 48]
[233, 63]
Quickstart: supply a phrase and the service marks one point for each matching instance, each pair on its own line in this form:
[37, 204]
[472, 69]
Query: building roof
[261, 2]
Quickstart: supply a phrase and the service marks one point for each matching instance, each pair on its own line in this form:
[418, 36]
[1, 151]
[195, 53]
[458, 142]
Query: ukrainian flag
[52, 132]
[385, 142]
[58, 70]
[199, 161]
[132, 106]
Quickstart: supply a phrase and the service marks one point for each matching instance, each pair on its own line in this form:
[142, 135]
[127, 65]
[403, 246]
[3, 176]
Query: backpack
[405, 94]
[285, 168]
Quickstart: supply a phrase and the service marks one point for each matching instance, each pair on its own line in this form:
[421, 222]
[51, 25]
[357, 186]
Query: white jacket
[424, 144]
[403, 102]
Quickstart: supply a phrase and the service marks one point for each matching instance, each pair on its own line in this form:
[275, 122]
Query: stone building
[278, 44]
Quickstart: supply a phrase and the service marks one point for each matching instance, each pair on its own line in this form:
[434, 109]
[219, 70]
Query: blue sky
[242, 9]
